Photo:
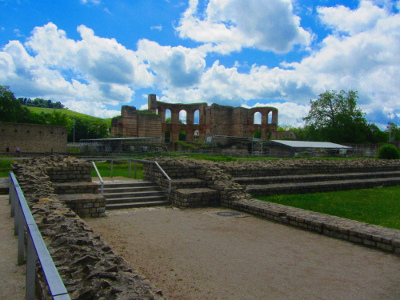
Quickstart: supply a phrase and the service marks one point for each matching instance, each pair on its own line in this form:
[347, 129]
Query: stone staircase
[314, 183]
[133, 195]
[193, 192]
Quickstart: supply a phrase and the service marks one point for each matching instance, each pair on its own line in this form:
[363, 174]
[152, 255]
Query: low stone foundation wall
[88, 267]
[374, 236]
[306, 166]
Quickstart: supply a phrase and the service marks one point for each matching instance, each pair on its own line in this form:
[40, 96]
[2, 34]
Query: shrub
[389, 152]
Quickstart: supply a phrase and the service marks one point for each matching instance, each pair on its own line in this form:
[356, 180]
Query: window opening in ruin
[257, 134]
[182, 117]
[257, 118]
[167, 136]
[196, 135]
[182, 135]
[270, 117]
[168, 116]
[196, 119]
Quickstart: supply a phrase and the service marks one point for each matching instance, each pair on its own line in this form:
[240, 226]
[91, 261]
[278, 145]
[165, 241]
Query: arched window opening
[257, 134]
[196, 117]
[182, 117]
[168, 116]
[257, 118]
[270, 117]
[167, 136]
[182, 135]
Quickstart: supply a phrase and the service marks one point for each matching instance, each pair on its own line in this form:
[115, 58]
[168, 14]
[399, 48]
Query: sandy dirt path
[12, 277]
[198, 254]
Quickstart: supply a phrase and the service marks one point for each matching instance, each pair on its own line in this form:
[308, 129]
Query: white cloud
[233, 24]
[91, 69]
[178, 67]
[95, 2]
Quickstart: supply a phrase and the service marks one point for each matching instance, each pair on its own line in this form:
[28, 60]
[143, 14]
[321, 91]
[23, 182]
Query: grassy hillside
[68, 112]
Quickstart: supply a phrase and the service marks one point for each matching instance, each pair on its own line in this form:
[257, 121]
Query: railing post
[30, 270]
[130, 169]
[151, 172]
[112, 167]
[135, 170]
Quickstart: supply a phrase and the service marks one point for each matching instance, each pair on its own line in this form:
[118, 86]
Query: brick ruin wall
[33, 138]
[218, 176]
[212, 120]
[88, 266]
[134, 124]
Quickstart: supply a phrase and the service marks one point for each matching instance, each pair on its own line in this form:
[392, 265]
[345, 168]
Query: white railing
[130, 160]
[35, 248]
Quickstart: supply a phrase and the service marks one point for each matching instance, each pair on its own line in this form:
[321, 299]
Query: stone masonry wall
[33, 138]
[88, 267]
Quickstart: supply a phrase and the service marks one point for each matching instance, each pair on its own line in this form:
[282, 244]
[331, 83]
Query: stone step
[132, 195]
[312, 177]
[134, 189]
[137, 204]
[75, 188]
[138, 183]
[320, 186]
[188, 183]
[197, 197]
[149, 198]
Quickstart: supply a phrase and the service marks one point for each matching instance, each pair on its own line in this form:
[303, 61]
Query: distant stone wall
[33, 138]
[88, 267]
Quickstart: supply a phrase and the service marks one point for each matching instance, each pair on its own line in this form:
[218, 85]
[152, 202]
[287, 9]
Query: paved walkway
[200, 254]
[12, 276]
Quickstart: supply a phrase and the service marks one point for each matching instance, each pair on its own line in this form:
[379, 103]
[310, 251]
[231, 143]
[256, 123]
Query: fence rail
[130, 160]
[35, 248]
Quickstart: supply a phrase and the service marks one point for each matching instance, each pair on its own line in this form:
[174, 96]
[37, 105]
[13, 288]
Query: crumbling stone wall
[88, 267]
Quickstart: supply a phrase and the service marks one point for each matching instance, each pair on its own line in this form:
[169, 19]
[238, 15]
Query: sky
[96, 55]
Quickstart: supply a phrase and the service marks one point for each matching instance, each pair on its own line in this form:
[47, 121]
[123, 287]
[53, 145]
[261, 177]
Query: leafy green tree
[10, 108]
[393, 132]
[335, 117]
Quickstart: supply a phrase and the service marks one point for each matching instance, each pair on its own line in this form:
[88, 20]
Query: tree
[393, 131]
[335, 117]
[10, 108]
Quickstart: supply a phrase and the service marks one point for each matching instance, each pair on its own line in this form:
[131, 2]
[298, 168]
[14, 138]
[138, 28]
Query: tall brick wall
[213, 120]
[33, 138]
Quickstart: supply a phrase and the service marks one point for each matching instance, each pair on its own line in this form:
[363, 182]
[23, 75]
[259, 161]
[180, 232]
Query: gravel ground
[199, 254]
[12, 276]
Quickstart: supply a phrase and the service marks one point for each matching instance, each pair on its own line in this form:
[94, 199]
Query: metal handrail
[166, 176]
[35, 249]
[98, 175]
[135, 160]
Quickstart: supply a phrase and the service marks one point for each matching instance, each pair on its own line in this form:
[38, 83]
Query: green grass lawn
[5, 167]
[119, 170]
[379, 206]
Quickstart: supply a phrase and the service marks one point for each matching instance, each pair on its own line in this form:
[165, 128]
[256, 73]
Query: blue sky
[96, 55]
